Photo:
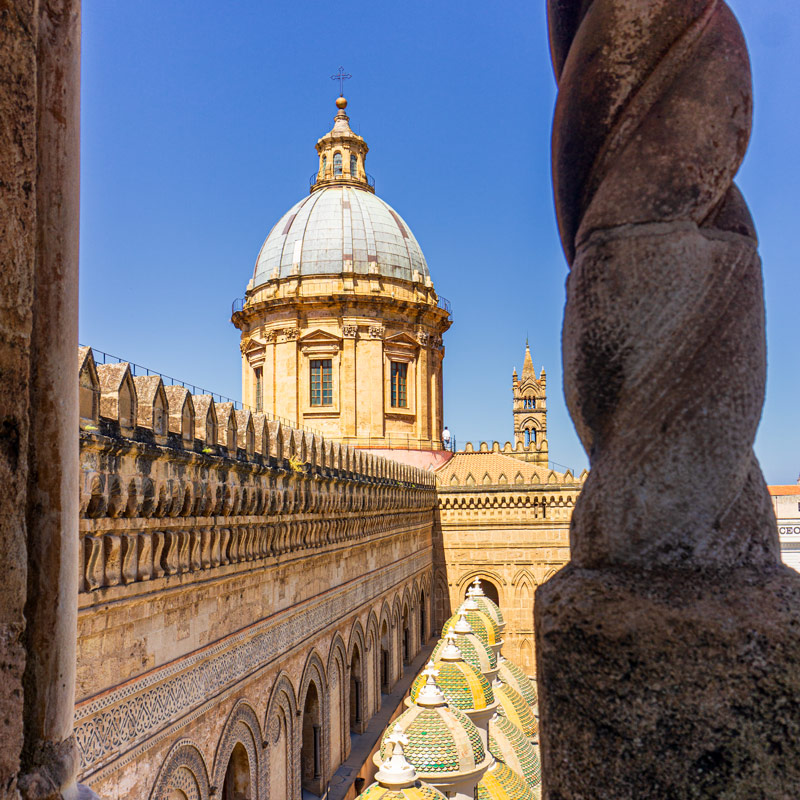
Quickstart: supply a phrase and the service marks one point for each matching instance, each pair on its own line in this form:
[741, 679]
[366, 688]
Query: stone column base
[669, 684]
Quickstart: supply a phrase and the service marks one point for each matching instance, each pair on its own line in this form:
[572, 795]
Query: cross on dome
[341, 76]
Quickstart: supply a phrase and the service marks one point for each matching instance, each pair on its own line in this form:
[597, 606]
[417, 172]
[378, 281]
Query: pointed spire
[527, 367]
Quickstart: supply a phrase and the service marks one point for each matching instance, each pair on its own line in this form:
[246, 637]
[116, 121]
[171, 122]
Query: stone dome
[502, 783]
[341, 228]
[514, 676]
[508, 744]
[462, 684]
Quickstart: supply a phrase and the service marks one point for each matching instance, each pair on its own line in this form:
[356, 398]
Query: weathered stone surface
[667, 651]
[666, 683]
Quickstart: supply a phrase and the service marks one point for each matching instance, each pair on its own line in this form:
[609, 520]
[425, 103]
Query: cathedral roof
[341, 229]
[514, 708]
[487, 468]
[461, 683]
[342, 226]
[441, 741]
[486, 605]
[516, 678]
[508, 744]
[502, 783]
[484, 627]
[473, 651]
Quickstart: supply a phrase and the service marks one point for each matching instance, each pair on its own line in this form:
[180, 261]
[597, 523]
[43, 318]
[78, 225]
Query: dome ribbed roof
[483, 626]
[419, 791]
[490, 608]
[514, 707]
[340, 229]
[473, 651]
[441, 740]
[508, 744]
[502, 783]
[461, 683]
[515, 677]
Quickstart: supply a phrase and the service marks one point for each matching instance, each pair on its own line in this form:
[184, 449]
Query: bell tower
[530, 408]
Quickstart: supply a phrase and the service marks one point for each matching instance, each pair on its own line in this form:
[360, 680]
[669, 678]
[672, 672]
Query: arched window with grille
[353, 166]
[337, 164]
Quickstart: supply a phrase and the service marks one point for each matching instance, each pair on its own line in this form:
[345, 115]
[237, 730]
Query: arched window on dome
[353, 166]
[337, 164]
[324, 166]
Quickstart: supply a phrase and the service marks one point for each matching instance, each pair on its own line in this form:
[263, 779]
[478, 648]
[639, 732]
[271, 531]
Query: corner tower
[341, 328]
[530, 410]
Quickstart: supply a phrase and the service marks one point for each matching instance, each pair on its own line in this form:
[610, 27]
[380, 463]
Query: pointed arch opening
[311, 742]
[356, 691]
[236, 785]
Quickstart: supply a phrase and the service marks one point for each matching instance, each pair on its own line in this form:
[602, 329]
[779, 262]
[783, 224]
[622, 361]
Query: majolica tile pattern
[462, 685]
[473, 651]
[491, 609]
[513, 706]
[502, 783]
[419, 791]
[483, 626]
[513, 675]
[508, 744]
[440, 741]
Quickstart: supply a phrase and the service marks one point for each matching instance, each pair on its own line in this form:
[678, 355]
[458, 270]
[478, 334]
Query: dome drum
[341, 327]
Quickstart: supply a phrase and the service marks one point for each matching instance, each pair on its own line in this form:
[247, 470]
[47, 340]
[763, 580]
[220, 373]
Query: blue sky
[198, 127]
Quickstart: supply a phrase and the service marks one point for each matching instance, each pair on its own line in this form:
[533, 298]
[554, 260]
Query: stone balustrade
[174, 483]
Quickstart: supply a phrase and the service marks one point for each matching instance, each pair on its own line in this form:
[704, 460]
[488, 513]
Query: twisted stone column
[668, 649]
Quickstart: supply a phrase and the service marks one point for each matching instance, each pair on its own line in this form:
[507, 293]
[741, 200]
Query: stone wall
[225, 574]
[506, 522]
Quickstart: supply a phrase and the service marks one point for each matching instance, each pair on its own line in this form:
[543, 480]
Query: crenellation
[118, 396]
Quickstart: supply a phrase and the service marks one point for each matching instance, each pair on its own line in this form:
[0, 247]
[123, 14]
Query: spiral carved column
[666, 658]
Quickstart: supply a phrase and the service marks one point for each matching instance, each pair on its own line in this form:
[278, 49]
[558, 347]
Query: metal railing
[329, 176]
[101, 357]
[444, 304]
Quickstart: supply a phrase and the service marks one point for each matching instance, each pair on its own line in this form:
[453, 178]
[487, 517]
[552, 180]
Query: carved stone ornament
[269, 337]
[423, 338]
[290, 334]
[376, 331]
[350, 331]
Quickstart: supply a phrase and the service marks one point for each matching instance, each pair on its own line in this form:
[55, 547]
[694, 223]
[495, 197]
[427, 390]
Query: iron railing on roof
[101, 357]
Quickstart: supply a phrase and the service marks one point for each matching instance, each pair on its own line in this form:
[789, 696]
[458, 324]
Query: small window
[399, 384]
[353, 166]
[324, 165]
[337, 164]
[258, 388]
[529, 402]
[322, 382]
